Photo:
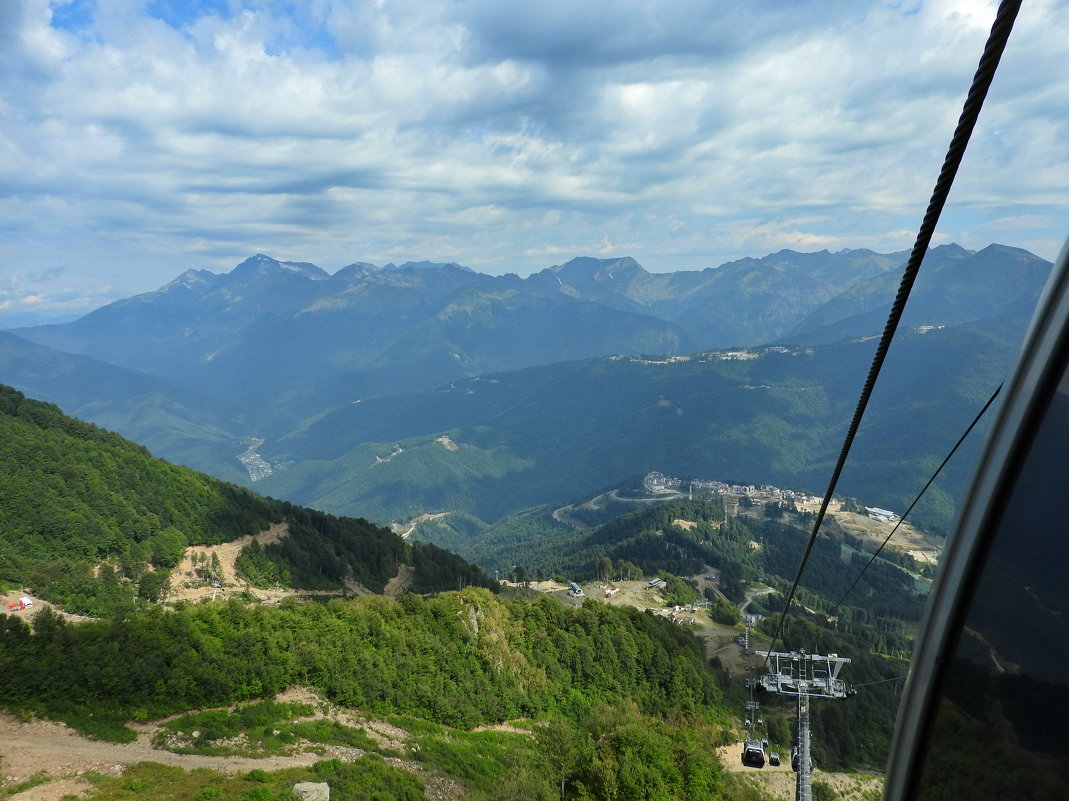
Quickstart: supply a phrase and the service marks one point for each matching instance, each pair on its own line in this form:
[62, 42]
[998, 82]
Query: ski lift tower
[804, 676]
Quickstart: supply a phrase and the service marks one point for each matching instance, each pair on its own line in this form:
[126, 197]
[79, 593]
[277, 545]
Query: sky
[141, 138]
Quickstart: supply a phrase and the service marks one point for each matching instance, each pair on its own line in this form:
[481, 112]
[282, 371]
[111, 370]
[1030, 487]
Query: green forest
[620, 703]
[89, 520]
[626, 699]
[883, 610]
[875, 625]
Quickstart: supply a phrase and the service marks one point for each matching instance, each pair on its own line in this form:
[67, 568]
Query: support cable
[920, 495]
[880, 681]
[974, 101]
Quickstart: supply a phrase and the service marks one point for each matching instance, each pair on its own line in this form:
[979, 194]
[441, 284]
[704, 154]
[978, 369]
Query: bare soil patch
[58, 788]
[780, 782]
[399, 583]
[29, 747]
[404, 530]
[922, 546]
[186, 586]
[33, 746]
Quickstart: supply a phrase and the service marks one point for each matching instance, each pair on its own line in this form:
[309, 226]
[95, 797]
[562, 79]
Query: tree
[154, 585]
[168, 547]
[725, 613]
[774, 510]
[568, 749]
[519, 575]
[603, 567]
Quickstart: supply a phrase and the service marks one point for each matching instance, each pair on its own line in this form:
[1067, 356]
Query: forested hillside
[765, 547]
[623, 700]
[354, 347]
[462, 659]
[493, 445]
[88, 520]
[875, 626]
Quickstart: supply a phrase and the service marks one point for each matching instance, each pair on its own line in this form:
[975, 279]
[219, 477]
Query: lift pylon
[804, 676]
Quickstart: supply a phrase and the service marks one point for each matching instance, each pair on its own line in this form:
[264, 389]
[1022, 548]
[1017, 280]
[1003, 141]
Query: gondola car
[753, 754]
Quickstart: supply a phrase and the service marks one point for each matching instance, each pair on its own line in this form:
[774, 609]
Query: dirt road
[32, 747]
[29, 747]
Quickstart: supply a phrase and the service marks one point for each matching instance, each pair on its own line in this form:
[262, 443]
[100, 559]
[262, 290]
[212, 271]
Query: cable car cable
[974, 101]
[880, 681]
[920, 494]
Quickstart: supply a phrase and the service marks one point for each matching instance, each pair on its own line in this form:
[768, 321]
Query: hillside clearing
[779, 782]
[186, 586]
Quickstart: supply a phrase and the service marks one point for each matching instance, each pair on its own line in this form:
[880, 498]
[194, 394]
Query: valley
[433, 428]
[466, 659]
[546, 387]
[253, 462]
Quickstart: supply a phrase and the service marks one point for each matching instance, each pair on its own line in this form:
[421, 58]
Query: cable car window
[1002, 726]
[990, 690]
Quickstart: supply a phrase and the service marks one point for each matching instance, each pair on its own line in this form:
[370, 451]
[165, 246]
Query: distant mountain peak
[598, 268]
[192, 279]
[995, 247]
[427, 265]
[952, 251]
[357, 269]
[261, 264]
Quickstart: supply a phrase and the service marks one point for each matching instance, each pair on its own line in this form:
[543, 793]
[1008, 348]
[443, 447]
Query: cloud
[152, 135]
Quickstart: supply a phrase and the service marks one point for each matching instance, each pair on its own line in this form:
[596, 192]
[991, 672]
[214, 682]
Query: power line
[920, 494]
[974, 101]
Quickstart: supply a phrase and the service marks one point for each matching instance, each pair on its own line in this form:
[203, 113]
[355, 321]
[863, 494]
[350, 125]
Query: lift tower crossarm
[796, 671]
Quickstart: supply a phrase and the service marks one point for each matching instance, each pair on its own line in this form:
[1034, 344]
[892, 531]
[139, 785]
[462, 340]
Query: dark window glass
[1001, 727]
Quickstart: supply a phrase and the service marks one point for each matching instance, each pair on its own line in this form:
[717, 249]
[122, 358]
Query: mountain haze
[499, 442]
[955, 287]
[181, 426]
[399, 390]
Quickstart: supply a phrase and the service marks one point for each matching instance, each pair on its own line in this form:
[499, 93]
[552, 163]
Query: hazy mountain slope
[955, 287]
[180, 426]
[550, 433]
[475, 331]
[745, 302]
[279, 341]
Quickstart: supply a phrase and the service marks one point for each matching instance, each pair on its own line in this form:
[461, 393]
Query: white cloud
[503, 134]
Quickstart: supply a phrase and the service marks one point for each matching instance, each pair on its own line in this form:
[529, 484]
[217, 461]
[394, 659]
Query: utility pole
[804, 676]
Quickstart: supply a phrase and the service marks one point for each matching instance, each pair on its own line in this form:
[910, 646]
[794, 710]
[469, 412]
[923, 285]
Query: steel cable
[974, 101]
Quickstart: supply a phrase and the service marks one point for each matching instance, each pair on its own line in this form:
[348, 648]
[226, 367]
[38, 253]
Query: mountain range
[415, 387]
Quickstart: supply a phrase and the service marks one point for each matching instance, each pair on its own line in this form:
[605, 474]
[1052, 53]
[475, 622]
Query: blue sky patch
[74, 17]
[180, 13]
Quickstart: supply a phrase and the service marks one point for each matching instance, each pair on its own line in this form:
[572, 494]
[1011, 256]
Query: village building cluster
[657, 483]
